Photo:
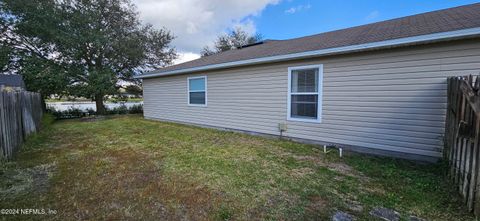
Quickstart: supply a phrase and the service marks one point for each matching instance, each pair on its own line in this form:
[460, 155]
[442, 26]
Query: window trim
[188, 91]
[319, 93]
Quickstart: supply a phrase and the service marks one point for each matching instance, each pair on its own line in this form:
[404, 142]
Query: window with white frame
[305, 93]
[197, 91]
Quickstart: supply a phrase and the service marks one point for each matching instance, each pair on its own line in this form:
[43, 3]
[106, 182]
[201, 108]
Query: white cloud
[197, 23]
[297, 8]
[186, 56]
[373, 15]
[248, 26]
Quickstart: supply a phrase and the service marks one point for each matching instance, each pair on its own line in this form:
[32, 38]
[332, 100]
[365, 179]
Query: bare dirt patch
[301, 172]
[317, 208]
[92, 118]
[314, 159]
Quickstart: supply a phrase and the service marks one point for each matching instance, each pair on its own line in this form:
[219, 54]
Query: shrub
[136, 109]
[122, 109]
[66, 114]
[91, 111]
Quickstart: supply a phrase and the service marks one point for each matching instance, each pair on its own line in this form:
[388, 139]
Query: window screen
[304, 94]
[197, 91]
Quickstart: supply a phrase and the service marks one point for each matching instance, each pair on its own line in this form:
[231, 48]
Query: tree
[232, 40]
[4, 58]
[81, 47]
[134, 89]
[23, 52]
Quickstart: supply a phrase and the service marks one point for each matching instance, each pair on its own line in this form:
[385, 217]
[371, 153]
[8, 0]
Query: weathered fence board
[462, 138]
[20, 115]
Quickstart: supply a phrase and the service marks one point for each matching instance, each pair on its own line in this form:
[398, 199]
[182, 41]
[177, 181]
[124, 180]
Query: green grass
[130, 168]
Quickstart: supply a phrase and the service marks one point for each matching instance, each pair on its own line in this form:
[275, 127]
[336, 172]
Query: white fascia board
[329, 51]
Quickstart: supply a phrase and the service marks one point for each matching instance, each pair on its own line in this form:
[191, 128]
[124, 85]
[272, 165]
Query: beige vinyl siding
[392, 100]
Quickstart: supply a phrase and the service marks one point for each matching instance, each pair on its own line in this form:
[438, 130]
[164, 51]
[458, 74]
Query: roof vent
[252, 44]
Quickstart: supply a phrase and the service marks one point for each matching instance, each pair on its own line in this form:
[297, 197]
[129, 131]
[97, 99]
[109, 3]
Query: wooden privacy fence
[20, 115]
[462, 138]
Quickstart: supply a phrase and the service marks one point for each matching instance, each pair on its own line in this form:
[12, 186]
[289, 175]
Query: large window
[197, 91]
[305, 93]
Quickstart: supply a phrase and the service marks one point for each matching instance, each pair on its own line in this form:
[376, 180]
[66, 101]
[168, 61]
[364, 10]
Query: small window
[197, 91]
[304, 93]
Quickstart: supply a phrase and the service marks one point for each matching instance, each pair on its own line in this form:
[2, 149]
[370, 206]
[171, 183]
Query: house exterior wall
[391, 100]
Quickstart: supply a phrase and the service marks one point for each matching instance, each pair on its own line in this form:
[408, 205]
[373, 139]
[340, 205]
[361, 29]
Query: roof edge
[429, 38]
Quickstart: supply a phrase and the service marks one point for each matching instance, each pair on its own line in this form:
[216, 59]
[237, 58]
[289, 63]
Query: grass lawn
[126, 167]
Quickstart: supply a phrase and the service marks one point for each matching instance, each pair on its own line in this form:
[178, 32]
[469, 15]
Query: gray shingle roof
[12, 80]
[452, 19]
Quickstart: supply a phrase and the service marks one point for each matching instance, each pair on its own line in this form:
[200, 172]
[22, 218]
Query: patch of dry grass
[130, 168]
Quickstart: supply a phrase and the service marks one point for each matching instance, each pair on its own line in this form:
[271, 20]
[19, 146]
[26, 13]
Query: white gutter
[442, 36]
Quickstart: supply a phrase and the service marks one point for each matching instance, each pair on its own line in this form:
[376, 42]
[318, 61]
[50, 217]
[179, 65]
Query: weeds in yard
[126, 167]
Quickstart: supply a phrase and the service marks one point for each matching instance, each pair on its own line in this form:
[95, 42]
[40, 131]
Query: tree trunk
[99, 104]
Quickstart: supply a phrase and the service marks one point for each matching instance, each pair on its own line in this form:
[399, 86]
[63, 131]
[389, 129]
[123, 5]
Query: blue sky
[311, 17]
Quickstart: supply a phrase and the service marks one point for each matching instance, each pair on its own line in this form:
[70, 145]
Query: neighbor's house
[11, 82]
[378, 88]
